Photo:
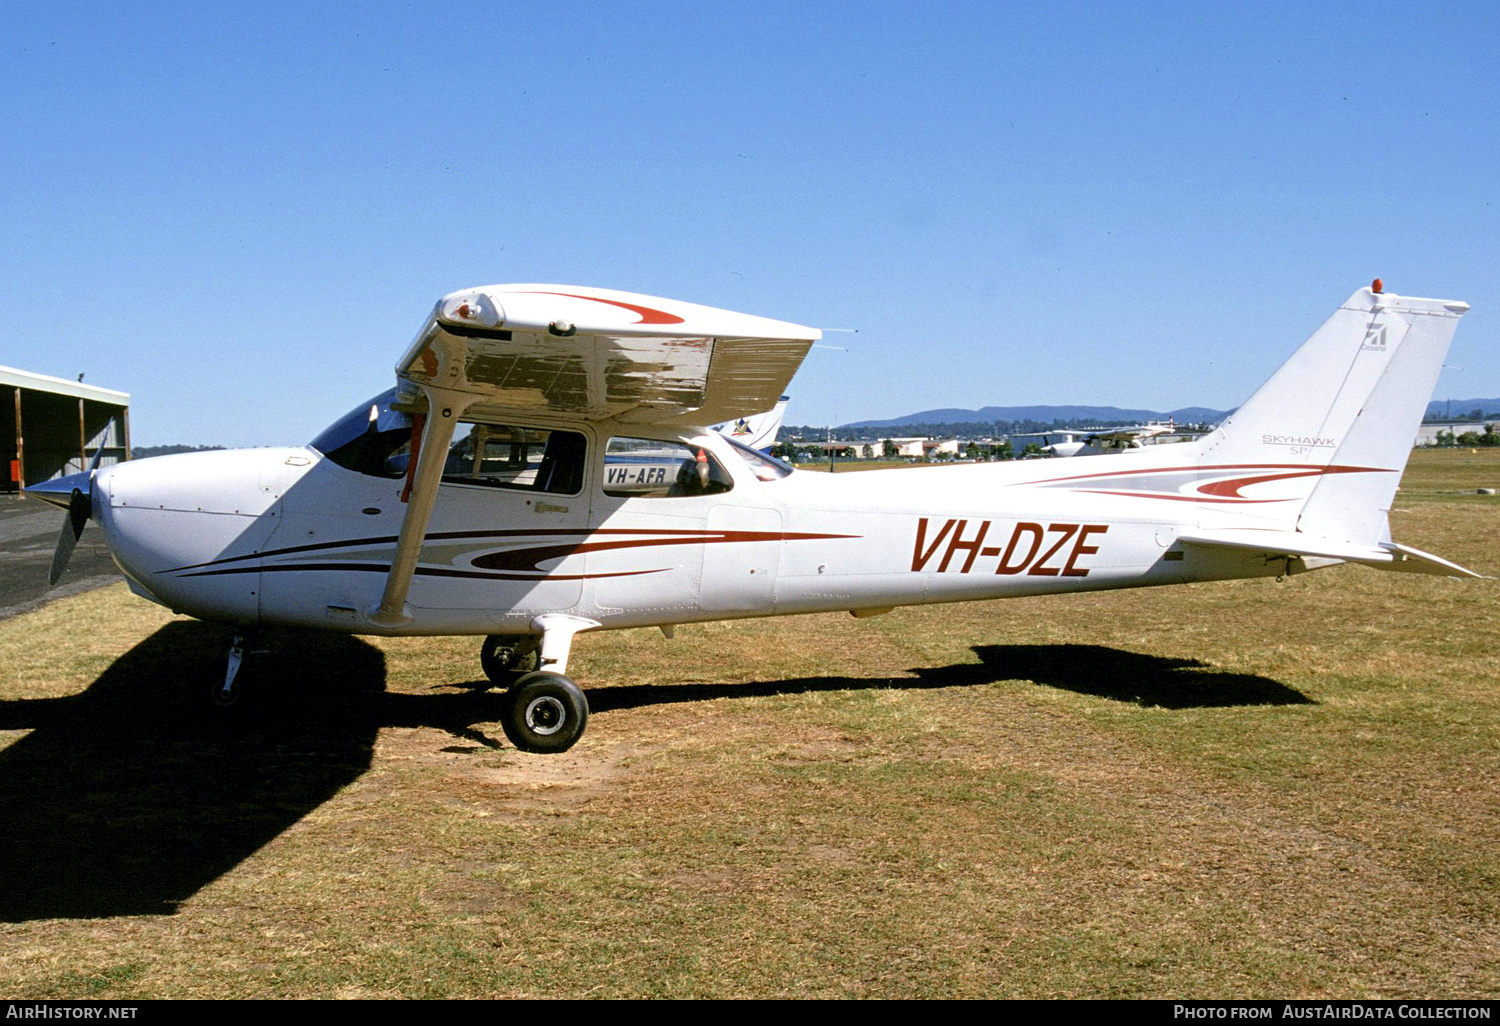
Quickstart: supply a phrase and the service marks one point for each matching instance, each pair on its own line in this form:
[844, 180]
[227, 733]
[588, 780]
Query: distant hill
[142, 452]
[1040, 418]
[1439, 409]
[1081, 416]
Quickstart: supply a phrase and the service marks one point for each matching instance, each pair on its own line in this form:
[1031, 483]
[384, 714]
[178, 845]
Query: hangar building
[50, 427]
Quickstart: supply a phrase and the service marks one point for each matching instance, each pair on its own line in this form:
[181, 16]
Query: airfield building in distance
[50, 427]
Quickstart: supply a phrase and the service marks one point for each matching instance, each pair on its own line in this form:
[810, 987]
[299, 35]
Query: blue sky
[240, 214]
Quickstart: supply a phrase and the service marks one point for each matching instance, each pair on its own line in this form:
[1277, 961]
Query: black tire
[232, 700]
[545, 713]
[505, 658]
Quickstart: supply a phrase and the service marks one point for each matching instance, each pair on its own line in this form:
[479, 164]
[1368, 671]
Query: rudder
[1350, 399]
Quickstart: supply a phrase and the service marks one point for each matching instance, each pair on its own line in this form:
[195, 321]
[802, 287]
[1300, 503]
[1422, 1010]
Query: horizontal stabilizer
[1415, 561]
[1384, 556]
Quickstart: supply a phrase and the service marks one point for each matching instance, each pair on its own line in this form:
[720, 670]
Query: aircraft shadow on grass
[1147, 680]
[129, 797]
[1111, 673]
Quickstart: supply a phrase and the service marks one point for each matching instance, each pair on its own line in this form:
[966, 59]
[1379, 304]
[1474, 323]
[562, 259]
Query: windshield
[375, 440]
[365, 438]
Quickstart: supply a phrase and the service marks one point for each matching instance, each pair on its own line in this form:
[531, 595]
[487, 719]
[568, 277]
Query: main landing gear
[544, 710]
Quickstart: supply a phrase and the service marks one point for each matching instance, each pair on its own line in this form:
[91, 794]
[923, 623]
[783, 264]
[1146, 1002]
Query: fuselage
[601, 507]
[292, 537]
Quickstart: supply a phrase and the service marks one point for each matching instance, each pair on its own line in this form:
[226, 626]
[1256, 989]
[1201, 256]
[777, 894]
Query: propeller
[74, 493]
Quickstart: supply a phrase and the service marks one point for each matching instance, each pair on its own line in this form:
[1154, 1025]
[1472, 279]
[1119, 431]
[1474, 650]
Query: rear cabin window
[766, 468]
[649, 468]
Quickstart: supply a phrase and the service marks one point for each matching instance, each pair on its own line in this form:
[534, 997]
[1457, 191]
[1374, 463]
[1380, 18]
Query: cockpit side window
[505, 456]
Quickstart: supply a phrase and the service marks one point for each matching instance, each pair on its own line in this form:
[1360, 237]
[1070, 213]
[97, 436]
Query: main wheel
[506, 657]
[545, 712]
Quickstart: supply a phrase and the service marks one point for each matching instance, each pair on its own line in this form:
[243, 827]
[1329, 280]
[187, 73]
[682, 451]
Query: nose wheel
[229, 693]
[506, 658]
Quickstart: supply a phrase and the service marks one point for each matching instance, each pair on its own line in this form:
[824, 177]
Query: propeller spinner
[74, 493]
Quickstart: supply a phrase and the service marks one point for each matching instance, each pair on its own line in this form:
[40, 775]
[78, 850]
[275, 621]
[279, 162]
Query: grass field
[1232, 790]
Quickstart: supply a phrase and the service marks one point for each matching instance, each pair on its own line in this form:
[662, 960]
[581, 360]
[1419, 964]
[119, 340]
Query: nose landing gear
[508, 657]
[229, 693]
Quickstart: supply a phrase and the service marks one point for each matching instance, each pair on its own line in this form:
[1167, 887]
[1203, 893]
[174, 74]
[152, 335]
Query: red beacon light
[1377, 286]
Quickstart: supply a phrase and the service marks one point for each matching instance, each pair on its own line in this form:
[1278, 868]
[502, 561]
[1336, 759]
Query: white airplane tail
[759, 431]
[1334, 427]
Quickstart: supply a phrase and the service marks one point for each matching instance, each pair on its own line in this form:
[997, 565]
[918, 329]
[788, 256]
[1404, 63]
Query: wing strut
[444, 407]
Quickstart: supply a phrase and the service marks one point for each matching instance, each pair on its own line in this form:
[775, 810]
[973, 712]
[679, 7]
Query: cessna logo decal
[1033, 549]
[1312, 441]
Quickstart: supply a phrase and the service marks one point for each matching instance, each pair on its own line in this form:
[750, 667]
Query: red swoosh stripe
[1207, 468]
[527, 559]
[1226, 490]
[648, 314]
[515, 564]
[1231, 487]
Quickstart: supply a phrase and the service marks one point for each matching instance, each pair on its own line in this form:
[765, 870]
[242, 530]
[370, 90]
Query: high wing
[578, 353]
[1126, 436]
[591, 354]
[1118, 435]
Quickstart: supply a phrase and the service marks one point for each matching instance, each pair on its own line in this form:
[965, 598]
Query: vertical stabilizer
[758, 431]
[1349, 401]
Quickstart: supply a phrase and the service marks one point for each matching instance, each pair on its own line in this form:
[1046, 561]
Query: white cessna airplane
[476, 497]
[1097, 441]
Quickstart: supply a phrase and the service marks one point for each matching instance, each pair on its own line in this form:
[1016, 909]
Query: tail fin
[1349, 401]
[759, 431]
